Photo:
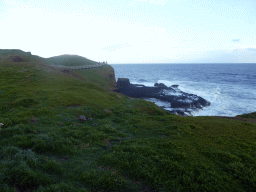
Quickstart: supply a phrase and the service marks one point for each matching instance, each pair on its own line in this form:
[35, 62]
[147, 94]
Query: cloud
[251, 49]
[236, 40]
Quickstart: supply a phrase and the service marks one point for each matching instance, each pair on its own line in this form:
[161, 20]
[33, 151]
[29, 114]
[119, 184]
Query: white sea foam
[176, 93]
[211, 92]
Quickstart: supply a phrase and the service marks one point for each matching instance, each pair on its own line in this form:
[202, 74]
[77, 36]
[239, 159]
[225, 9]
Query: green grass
[70, 60]
[250, 115]
[136, 146]
[103, 76]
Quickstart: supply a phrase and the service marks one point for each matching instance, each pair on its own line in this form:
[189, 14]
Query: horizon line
[171, 63]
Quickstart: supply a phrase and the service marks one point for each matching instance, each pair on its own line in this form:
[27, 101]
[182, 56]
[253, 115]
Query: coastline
[229, 87]
[177, 101]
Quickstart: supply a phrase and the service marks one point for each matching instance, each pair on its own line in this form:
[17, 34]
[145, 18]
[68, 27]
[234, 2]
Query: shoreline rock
[180, 102]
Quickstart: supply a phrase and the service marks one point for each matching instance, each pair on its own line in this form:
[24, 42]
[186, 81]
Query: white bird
[1, 124]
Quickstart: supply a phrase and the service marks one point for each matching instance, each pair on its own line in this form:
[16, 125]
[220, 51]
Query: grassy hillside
[16, 55]
[129, 145]
[70, 60]
[104, 76]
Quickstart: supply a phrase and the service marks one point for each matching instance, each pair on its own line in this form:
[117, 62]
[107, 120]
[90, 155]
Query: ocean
[231, 88]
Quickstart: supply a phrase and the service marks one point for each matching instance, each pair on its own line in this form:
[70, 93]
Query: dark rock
[161, 85]
[123, 82]
[175, 97]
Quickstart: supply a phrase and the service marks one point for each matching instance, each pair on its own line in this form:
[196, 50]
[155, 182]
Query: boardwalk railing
[80, 67]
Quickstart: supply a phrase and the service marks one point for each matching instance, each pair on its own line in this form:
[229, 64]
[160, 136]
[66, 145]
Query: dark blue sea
[231, 88]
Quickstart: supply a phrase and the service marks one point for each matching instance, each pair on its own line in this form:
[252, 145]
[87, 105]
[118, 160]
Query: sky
[133, 31]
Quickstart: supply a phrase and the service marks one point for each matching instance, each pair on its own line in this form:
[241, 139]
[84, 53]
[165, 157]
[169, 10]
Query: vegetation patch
[250, 115]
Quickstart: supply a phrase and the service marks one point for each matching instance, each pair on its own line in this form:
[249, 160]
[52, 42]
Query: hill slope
[70, 60]
[128, 145]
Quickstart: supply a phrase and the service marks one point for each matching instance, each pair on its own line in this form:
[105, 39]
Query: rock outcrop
[179, 102]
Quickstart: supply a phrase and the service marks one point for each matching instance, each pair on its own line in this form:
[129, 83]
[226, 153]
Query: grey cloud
[236, 40]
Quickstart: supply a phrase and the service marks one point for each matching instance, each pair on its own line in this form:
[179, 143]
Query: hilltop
[125, 144]
[70, 60]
